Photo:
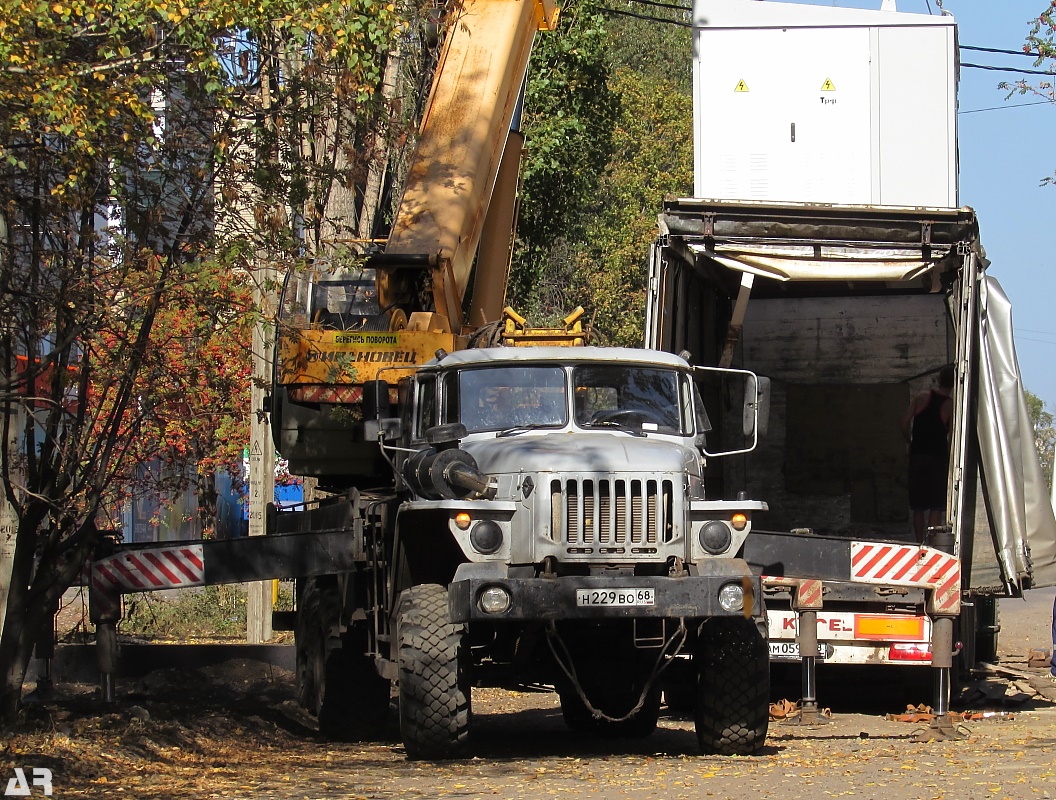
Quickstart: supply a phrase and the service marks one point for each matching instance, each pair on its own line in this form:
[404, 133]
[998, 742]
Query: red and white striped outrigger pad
[152, 568]
[910, 565]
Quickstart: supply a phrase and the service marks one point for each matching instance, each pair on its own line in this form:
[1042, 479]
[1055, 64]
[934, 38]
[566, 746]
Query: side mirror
[756, 415]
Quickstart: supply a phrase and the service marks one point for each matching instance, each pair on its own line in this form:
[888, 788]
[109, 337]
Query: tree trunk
[20, 623]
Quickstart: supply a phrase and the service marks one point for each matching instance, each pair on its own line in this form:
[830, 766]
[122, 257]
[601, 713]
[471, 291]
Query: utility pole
[261, 460]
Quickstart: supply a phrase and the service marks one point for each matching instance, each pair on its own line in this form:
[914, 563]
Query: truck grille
[611, 512]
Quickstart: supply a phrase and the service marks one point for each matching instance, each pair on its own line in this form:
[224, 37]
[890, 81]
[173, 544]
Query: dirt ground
[233, 730]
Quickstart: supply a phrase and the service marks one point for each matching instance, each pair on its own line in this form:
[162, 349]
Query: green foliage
[652, 48]
[1044, 433]
[569, 114]
[209, 612]
[591, 195]
[653, 158]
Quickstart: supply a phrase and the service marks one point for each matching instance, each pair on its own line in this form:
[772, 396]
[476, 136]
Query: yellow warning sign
[828, 86]
[741, 86]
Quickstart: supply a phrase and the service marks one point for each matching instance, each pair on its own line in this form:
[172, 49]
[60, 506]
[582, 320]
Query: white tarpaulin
[1021, 513]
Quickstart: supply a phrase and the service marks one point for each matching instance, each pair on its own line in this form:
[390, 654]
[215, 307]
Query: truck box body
[850, 311]
[824, 105]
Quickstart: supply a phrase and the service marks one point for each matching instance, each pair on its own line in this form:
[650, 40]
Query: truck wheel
[434, 676]
[579, 719]
[336, 680]
[733, 687]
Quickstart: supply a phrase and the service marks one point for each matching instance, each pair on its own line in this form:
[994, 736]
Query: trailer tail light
[909, 651]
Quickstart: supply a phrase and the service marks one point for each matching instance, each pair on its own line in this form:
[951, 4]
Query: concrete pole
[261, 462]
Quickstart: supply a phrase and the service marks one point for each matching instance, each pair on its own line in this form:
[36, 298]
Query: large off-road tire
[732, 661]
[336, 680]
[435, 700]
[579, 719]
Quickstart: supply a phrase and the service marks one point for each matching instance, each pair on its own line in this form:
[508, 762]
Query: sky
[1004, 154]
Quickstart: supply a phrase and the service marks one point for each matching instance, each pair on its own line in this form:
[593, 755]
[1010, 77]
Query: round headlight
[715, 537]
[486, 537]
[494, 600]
[731, 597]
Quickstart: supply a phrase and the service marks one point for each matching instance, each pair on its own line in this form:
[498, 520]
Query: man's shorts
[928, 481]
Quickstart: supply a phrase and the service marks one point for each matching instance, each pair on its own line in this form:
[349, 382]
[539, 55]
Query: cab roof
[558, 355]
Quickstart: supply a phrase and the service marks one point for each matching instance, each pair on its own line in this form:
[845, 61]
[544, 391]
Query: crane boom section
[452, 172]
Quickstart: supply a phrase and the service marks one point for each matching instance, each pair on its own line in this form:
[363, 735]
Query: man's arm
[916, 405]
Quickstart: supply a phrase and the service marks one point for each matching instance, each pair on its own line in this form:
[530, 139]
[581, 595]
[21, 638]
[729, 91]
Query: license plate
[790, 650]
[615, 597]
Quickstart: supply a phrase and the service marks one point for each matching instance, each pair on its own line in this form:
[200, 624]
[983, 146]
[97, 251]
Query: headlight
[486, 537]
[731, 597]
[494, 600]
[715, 537]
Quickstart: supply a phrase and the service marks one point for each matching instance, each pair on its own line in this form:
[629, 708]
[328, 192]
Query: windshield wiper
[608, 423]
[519, 429]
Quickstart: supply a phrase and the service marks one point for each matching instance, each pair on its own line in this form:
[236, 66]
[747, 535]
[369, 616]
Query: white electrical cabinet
[799, 103]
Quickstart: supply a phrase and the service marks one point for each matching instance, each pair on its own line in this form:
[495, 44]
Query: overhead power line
[646, 17]
[990, 67]
[662, 5]
[1002, 108]
[1029, 53]
[1009, 69]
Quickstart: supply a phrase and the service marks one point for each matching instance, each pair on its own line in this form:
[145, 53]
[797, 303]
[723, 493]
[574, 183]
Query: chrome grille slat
[612, 512]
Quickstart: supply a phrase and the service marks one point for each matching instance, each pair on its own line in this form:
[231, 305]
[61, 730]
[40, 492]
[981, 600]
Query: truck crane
[493, 516]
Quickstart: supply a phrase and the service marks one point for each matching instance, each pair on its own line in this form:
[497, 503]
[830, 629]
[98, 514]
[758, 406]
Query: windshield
[344, 300]
[643, 398]
[508, 397]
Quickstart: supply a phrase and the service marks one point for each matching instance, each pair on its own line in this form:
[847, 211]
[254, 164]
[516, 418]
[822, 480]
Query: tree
[570, 111]
[1044, 433]
[652, 158]
[1041, 42]
[599, 166]
[152, 154]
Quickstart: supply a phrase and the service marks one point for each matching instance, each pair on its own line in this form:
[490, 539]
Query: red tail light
[909, 651]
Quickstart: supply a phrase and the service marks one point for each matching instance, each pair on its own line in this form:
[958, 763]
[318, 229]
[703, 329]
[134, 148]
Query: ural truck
[545, 522]
[850, 311]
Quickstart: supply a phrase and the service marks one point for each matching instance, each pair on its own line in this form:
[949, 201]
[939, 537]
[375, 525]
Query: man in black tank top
[926, 426]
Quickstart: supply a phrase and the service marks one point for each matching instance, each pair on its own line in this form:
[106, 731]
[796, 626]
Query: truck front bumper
[623, 597]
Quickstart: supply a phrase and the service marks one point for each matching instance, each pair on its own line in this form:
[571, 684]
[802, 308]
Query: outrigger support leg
[942, 727]
[807, 601]
[808, 649]
[104, 609]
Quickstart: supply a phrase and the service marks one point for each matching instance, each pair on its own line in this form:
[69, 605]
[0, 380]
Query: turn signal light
[739, 522]
[462, 520]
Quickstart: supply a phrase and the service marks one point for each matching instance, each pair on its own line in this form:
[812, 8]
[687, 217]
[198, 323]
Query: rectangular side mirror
[756, 416]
